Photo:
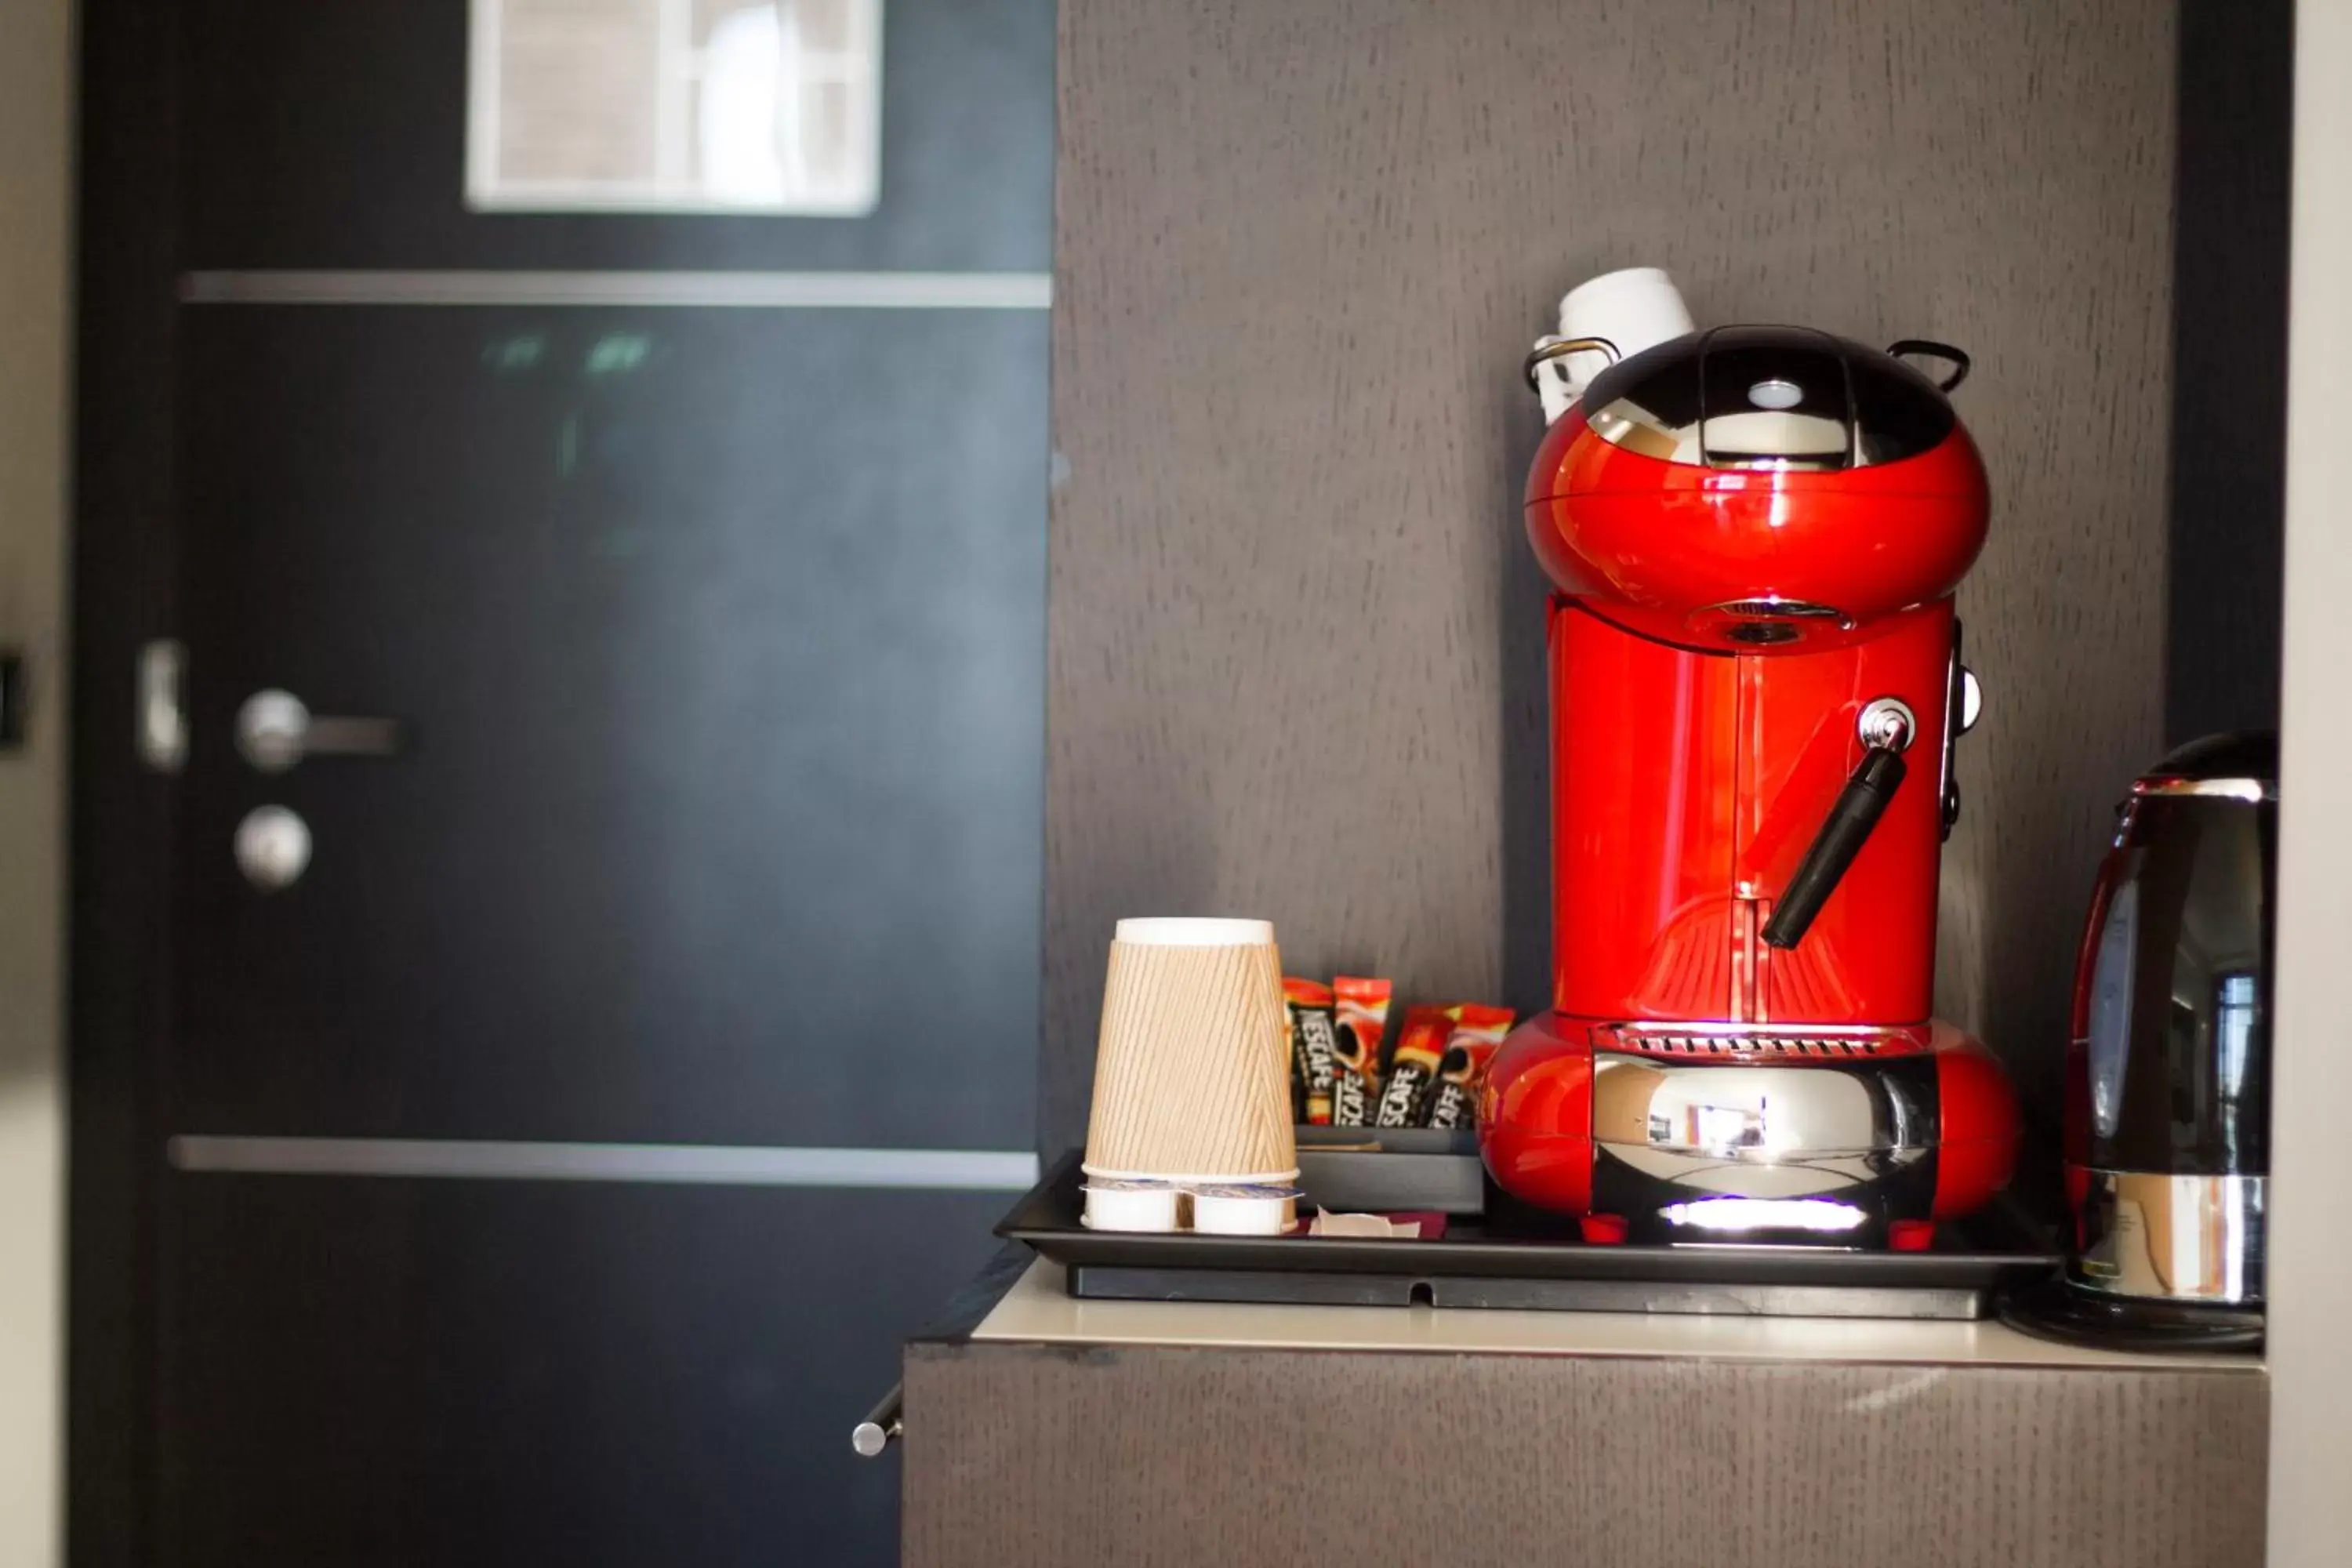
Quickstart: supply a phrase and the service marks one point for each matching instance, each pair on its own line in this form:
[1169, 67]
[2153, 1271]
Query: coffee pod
[1255, 1210]
[1132, 1205]
[1192, 1067]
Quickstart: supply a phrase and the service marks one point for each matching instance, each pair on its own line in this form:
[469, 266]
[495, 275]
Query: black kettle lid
[2244, 754]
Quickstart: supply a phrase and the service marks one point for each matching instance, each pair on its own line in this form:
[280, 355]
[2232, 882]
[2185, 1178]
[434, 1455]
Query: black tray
[1416, 1168]
[1517, 1256]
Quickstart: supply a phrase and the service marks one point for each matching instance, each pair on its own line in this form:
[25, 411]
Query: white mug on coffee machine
[1636, 308]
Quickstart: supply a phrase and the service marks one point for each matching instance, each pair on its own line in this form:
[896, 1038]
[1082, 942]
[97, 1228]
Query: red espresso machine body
[1755, 533]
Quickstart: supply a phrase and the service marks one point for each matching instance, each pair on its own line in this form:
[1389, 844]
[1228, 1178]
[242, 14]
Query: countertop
[1037, 1311]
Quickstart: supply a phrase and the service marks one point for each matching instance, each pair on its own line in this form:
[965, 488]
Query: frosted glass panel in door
[745, 106]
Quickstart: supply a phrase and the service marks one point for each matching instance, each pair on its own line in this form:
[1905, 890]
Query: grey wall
[1295, 665]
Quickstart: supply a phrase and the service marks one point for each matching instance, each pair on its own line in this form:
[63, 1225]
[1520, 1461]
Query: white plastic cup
[1240, 1210]
[1132, 1205]
[1636, 308]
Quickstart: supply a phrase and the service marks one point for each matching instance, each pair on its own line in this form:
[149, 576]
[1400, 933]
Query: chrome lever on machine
[275, 730]
[883, 1425]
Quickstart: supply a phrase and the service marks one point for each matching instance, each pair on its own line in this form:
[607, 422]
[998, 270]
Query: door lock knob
[273, 847]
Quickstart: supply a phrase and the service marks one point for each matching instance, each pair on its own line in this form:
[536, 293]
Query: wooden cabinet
[1288, 1436]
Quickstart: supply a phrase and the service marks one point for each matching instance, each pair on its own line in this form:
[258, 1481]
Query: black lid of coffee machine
[1769, 398]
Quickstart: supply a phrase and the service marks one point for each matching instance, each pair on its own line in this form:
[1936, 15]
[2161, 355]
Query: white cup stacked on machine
[1636, 308]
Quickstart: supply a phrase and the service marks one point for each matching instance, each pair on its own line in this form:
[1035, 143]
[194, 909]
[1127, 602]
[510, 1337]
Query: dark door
[643, 1039]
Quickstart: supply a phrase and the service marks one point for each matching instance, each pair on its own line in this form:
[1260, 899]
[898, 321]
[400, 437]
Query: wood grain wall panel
[1169, 1458]
[1294, 667]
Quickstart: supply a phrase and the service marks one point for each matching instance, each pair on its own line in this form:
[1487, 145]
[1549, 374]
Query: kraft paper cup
[1192, 1068]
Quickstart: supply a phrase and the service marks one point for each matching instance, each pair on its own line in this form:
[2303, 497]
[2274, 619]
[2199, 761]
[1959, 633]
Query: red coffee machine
[1756, 686]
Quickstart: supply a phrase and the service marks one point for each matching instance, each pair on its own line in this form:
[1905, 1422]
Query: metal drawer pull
[881, 1425]
[275, 730]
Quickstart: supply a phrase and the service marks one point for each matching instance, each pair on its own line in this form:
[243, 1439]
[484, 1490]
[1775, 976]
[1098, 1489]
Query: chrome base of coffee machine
[1726, 1133]
[2162, 1260]
[1808, 1152]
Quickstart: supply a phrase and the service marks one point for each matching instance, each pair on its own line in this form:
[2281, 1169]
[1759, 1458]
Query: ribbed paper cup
[1192, 1069]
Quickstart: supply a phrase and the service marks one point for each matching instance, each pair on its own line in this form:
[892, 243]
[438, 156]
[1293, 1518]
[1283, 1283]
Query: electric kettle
[2167, 1081]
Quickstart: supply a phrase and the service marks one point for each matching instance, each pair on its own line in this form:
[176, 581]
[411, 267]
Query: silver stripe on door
[707, 1164]
[735, 291]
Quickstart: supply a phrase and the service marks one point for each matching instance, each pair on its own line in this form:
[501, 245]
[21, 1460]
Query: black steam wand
[1887, 727]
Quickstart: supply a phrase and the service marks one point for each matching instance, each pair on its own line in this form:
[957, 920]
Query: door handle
[275, 730]
[883, 1425]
